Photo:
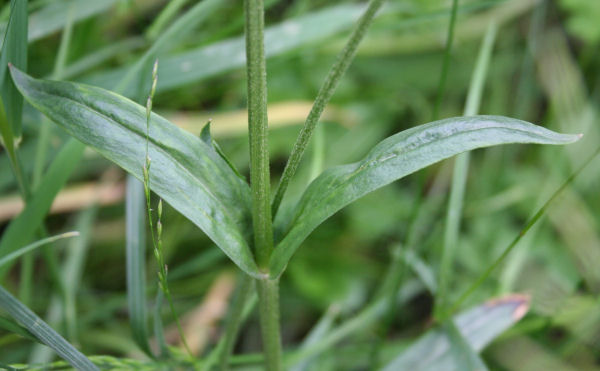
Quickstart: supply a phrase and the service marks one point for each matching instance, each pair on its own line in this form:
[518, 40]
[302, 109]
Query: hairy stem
[268, 290]
[268, 295]
[257, 125]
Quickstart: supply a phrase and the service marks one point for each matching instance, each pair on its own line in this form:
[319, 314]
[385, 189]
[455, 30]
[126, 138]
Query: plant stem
[257, 125]
[325, 93]
[446, 61]
[268, 295]
[268, 290]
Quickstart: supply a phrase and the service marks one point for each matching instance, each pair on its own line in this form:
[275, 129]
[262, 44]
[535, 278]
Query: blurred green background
[544, 69]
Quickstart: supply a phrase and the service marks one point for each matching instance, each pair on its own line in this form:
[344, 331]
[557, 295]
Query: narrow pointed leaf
[51, 17]
[396, 157]
[184, 170]
[478, 326]
[190, 66]
[43, 332]
[14, 50]
[135, 222]
[21, 229]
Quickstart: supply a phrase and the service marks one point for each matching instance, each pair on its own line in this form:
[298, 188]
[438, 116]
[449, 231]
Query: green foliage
[188, 174]
[336, 308]
[396, 157]
[43, 332]
[583, 20]
[21, 230]
[479, 326]
[14, 51]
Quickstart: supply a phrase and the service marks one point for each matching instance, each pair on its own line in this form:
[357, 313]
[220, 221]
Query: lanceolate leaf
[184, 170]
[396, 157]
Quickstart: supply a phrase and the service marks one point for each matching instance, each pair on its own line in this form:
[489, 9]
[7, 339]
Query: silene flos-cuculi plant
[243, 218]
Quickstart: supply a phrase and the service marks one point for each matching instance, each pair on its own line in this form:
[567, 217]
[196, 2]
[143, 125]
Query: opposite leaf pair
[193, 176]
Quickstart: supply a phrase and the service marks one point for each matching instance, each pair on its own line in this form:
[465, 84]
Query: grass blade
[196, 15]
[14, 51]
[11, 326]
[165, 16]
[43, 332]
[530, 223]
[446, 62]
[22, 228]
[51, 18]
[24, 250]
[136, 262]
[194, 65]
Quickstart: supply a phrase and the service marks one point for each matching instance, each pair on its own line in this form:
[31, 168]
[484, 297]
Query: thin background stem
[336, 73]
[459, 178]
[446, 61]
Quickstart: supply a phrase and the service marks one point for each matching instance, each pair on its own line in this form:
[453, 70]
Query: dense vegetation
[151, 219]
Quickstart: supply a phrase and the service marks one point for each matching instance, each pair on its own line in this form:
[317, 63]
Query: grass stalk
[324, 95]
[459, 178]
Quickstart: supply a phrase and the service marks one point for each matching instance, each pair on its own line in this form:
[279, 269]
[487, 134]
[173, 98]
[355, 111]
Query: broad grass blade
[51, 18]
[43, 332]
[135, 211]
[194, 65]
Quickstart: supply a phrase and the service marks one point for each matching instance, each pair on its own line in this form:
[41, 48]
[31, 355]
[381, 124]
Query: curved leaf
[185, 171]
[398, 156]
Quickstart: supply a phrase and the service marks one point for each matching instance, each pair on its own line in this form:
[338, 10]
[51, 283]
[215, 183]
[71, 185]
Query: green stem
[257, 125]
[446, 61]
[323, 97]
[268, 290]
[268, 295]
